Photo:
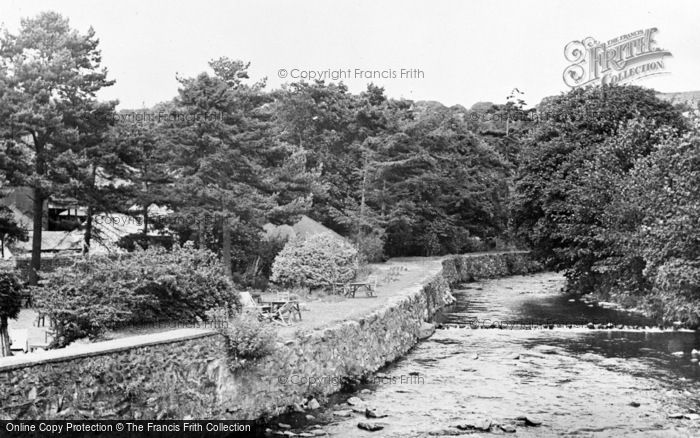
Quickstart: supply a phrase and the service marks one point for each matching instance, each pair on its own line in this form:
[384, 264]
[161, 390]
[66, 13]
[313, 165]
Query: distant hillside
[691, 98]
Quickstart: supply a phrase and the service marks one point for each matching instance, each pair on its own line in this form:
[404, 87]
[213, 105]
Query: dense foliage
[146, 286]
[661, 196]
[10, 305]
[606, 190]
[318, 261]
[248, 339]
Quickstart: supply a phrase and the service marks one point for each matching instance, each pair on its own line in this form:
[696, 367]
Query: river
[544, 363]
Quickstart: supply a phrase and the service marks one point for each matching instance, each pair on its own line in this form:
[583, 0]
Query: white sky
[469, 51]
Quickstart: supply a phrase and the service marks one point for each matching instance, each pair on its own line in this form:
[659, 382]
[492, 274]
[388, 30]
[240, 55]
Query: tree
[658, 204]
[141, 141]
[49, 74]
[585, 143]
[320, 118]
[229, 167]
[10, 230]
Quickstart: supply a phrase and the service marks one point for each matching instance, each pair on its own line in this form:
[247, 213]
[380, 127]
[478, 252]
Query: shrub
[249, 339]
[131, 242]
[314, 262]
[10, 305]
[145, 286]
[372, 246]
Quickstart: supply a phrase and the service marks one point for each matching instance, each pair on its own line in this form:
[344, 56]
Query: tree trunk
[201, 231]
[38, 211]
[87, 238]
[88, 232]
[362, 207]
[145, 220]
[226, 250]
[4, 338]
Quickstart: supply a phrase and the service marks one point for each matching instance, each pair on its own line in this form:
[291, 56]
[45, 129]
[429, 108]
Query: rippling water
[576, 381]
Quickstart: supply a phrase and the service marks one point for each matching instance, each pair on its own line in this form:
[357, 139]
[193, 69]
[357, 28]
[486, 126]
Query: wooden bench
[370, 286]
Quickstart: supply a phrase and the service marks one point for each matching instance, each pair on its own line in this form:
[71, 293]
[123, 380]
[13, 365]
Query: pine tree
[49, 74]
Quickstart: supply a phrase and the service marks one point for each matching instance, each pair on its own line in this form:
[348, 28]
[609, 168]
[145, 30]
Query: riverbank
[186, 373]
[482, 381]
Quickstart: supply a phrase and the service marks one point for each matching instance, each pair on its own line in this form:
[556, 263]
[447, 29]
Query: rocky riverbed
[543, 373]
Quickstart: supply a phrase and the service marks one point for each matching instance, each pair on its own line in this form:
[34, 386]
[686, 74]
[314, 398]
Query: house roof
[53, 241]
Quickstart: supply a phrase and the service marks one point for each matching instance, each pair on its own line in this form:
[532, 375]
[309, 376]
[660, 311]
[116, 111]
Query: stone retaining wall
[185, 373]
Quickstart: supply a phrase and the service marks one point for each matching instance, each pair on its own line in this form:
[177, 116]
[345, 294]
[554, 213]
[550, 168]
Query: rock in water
[372, 427]
[313, 404]
[284, 426]
[426, 330]
[530, 421]
[508, 428]
[475, 424]
[355, 401]
[634, 404]
[483, 424]
[372, 413]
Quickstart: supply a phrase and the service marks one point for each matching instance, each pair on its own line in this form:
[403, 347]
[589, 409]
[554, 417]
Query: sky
[454, 52]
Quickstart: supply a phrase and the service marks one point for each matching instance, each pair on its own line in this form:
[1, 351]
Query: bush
[131, 242]
[318, 261]
[372, 246]
[10, 305]
[249, 339]
[145, 286]
[10, 295]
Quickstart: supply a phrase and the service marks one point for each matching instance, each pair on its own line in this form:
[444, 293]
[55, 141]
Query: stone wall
[470, 267]
[185, 372]
[165, 375]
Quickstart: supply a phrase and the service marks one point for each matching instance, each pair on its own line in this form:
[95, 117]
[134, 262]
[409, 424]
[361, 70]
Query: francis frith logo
[620, 60]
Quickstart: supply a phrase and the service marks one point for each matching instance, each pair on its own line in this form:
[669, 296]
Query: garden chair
[286, 313]
[392, 274]
[372, 285]
[48, 337]
[19, 340]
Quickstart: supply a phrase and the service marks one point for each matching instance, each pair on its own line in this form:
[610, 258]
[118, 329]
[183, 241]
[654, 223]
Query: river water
[576, 381]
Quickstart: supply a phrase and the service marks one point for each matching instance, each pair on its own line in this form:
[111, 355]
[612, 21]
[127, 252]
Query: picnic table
[350, 289]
